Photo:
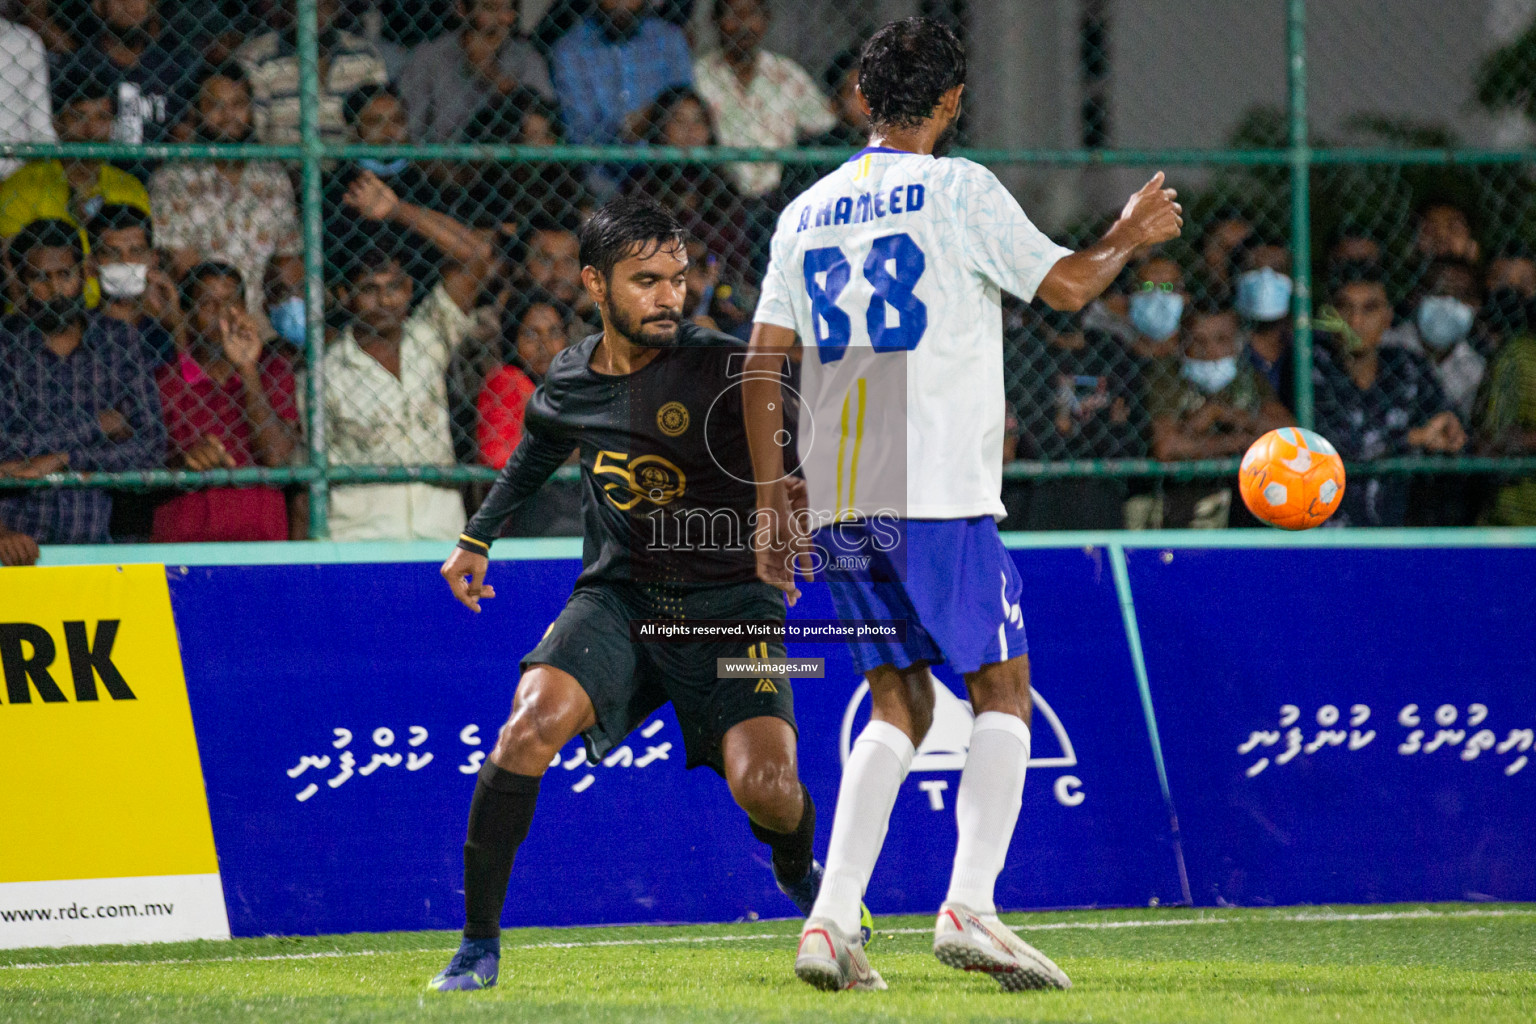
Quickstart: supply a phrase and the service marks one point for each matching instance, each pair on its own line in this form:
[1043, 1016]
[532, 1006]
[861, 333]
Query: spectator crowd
[156, 310]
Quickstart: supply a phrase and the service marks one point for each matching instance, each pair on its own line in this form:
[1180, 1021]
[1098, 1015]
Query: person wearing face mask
[1261, 290]
[282, 289]
[1442, 325]
[133, 287]
[1156, 308]
[1374, 400]
[238, 212]
[76, 396]
[1215, 406]
[1441, 330]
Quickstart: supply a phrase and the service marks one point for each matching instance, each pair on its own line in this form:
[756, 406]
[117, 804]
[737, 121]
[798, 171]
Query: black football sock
[791, 850]
[499, 816]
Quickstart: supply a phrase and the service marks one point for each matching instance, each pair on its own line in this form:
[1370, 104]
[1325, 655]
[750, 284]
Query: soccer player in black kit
[654, 405]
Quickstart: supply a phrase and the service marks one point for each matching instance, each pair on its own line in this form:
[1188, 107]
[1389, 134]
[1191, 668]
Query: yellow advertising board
[104, 827]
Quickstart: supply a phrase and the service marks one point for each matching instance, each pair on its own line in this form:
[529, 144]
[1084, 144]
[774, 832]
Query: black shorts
[627, 681]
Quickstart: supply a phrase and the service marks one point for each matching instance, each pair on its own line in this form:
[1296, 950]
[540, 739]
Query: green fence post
[1301, 205]
[314, 264]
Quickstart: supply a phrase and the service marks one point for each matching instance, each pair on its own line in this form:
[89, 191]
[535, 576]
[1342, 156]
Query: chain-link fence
[293, 268]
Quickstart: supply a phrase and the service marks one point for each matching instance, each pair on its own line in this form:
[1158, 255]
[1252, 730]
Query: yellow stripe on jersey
[858, 441]
[842, 443]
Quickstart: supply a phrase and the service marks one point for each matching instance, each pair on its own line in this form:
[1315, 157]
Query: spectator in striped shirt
[77, 395]
[271, 61]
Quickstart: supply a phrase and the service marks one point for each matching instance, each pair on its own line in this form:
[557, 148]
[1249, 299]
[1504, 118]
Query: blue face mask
[383, 168]
[1210, 375]
[1443, 321]
[1157, 314]
[288, 320]
[1263, 295]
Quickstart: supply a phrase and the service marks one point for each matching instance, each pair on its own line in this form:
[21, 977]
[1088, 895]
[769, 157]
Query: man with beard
[76, 395]
[149, 74]
[666, 503]
[239, 212]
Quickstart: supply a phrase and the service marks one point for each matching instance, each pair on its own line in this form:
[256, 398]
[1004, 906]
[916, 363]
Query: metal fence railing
[462, 162]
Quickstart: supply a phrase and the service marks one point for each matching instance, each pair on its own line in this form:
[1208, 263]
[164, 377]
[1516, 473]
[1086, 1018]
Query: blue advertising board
[1338, 722]
[1348, 725]
[343, 709]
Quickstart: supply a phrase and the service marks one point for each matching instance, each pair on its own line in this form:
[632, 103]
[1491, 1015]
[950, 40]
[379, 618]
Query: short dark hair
[229, 69]
[628, 226]
[76, 82]
[370, 248]
[1454, 265]
[906, 68]
[500, 120]
[46, 233]
[358, 99]
[1513, 249]
[720, 6]
[201, 272]
[512, 319]
[668, 100]
[838, 67]
[120, 217]
[1351, 272]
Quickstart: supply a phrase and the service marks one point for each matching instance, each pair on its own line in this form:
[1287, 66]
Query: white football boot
[831, 961]
[969, 941]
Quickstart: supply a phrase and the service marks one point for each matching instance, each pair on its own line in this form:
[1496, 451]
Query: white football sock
[876, 767]
[987, 807]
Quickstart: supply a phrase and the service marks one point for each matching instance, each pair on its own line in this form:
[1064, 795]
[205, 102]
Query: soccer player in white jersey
[890, 272]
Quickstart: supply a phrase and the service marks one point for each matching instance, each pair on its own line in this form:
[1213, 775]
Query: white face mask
[1210, 375]
[123, 280]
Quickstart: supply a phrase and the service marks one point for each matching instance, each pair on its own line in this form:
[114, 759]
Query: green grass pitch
[1395, 963]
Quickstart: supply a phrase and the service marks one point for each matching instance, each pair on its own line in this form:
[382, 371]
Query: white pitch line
[1303, 918]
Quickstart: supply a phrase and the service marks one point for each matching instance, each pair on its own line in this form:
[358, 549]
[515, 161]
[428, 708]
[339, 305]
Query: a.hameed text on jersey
[891, 269]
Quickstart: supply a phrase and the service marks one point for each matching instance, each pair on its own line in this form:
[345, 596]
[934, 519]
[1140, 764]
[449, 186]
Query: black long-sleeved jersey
[667, 494]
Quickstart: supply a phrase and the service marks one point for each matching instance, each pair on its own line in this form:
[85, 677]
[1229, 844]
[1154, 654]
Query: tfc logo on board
[949, 738]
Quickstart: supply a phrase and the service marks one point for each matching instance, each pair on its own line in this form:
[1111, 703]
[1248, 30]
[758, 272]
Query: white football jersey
[891, 270]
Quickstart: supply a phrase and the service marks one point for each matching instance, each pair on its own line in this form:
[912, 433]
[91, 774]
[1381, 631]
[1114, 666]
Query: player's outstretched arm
[1151, 216]
[777, 539]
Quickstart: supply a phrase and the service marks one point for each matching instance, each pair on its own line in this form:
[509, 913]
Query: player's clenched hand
[1153, 215]
[465, 573]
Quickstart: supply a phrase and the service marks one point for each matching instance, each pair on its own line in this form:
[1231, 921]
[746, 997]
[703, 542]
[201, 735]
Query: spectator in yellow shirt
[72, 190]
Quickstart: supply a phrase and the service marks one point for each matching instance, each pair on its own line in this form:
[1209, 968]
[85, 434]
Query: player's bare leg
[550, 707]
[968, 934]
[761, 767]
[901, 700]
